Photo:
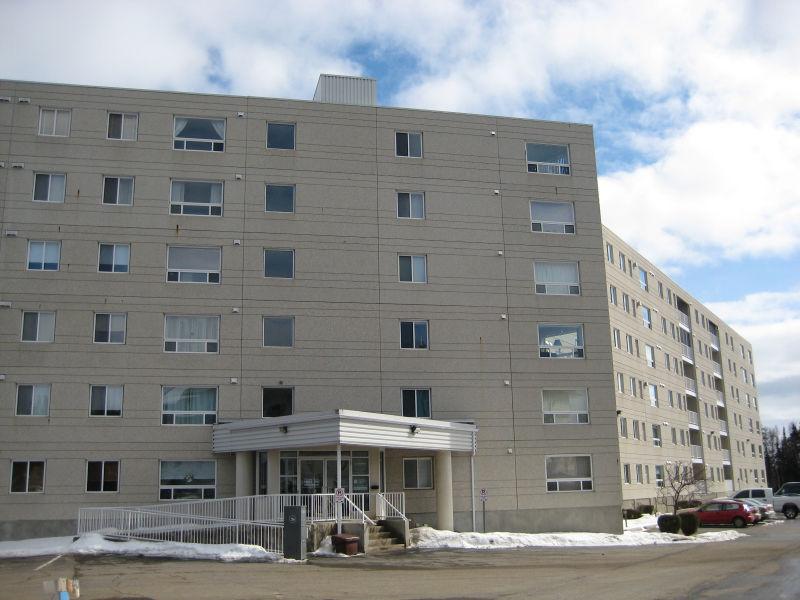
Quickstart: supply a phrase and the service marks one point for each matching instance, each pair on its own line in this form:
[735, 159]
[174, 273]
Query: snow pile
[642, 523]
[428, 538]
[94, 544]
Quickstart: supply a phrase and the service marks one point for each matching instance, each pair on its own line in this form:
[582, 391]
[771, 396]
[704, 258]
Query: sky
[695, 106]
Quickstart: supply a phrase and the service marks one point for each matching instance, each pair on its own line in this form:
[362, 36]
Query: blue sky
[695, 105]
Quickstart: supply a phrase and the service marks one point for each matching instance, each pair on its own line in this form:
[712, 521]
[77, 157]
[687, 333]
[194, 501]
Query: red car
[725, 512]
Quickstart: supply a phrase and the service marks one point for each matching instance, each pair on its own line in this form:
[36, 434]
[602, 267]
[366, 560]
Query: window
[674, 436]
[561, 341]
[278, 263]
[280, 136]
[657, 435]
[617, 338]
[192, 133]
[408, 144]
[626, 473]
[556, 278]
[609, 253]
[418, 473]
[671, 398]
[44, 256]
[38, 326]
[646, 317]
[622, 261]
[277, 402]
[565, 407]
[196, 198]
[49, 187]
[612, 294]
[414, 334]
[410, 205]
[279, 198]
[552, 217]
[650, 356]
[102, 476]
[413, 269]
[652, 390]
[417, 403]
[643, 282]
[187, 479]
[639, 477]
[123, 126]
[109, 328]
[279, 332]
[118, 190]
[626, 302]
[659, 475]
[105, 401]
[188, 264]
[191, 334]
[27, 476]
[632, 385]
[114, 258]
[620, 383]
[660, 290]
[623, 427]
[547, 158]
[664, 325]
[33, 400]
[635, 424]
[568, 473]
[188, 405]
[629, 343]
[55, 121]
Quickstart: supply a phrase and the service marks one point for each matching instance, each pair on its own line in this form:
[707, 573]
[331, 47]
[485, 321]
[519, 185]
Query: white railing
[391, 504]
[715, 341]
[685, 320]
[139, 524]
[720, 398]
[717, 368]
[726, 455]
[697, 452]
[690, 385]
[687, 351]
[694, 418]
[723, 428]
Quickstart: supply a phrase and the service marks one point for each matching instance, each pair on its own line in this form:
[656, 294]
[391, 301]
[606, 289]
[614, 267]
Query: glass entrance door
[330, 479]
[312, 476]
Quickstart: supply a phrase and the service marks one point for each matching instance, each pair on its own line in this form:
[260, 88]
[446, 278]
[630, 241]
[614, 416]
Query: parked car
[761, 511]
[758, 493]
[725, 512]
[787, 499]
[766, 508]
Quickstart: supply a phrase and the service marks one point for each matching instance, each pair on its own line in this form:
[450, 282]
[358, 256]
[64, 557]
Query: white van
[757, 493]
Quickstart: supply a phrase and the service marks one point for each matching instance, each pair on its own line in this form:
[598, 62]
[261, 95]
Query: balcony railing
[715, 341]
[694, 418]
[726, 455]
[697, 452]
[685, 321]
[687, 351]
[717, 368]
[690, 385]
[723, 428]
[720, 398]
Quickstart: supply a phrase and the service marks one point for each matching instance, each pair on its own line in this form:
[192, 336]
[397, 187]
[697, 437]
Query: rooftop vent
[346, 89]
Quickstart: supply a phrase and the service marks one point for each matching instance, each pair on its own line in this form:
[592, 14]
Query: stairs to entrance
[381, 539]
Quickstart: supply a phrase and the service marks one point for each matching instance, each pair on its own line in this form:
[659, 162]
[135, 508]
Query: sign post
[484, 498]
[338, 498]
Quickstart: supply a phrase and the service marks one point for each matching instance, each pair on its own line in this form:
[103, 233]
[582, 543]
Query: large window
[54, 121]
[652, 391]
[188, 405]
[414, 334]
[196, 198]
[556, 278]
[650, 355]
[27, 476]
[417, 403]
[114, 258]
[564, 407]
[552, 217]
[194, 133]
[49, 187]
[408, 143]
[38, 326]
[410, 205]
[412, 268]
[188, 264]
[123, 126]
[44, 256]
[647, 319]
[191, 334]
[569, 473]
[109, 328]
[102, 476]
[561, 341]
[187, 479]
[279, 332]
[280, 136]
[105, 401]
[118, 190]
[33, 400]
[552, 159]
[279, 198]
[657, 435]
[418, 473]
[643, 281]
[277, 402]
[278, 263]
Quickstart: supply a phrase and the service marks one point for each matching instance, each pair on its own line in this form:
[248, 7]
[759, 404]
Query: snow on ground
[428, 538]
[642, 523]
[326, 549]
[93, 544]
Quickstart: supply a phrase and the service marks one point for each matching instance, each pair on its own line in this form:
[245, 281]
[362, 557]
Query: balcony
[720, 398]
[723, 428]
[697, 453]
[715, 341]
[687, 352]
[726, 456]
[694, 419]
[716, 369]
[690, 386]
[685, 321]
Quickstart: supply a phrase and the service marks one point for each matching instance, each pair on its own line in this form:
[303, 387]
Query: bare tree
[682, 480]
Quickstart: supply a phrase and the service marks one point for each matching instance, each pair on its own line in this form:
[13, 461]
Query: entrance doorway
[318, 475]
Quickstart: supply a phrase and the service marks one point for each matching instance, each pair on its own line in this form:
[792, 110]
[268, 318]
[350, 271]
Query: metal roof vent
[346, 89]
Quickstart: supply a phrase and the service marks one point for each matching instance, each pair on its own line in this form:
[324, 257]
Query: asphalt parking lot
[766, 564]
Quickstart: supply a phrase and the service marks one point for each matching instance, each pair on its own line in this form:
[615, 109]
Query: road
[766, 564]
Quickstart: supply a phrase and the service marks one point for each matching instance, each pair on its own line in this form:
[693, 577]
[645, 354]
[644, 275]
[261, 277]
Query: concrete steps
[381, 539]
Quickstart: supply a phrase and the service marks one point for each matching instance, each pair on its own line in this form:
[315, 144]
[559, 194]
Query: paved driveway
[766, 564]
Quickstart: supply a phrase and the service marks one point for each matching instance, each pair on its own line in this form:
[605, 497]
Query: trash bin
[345, 544]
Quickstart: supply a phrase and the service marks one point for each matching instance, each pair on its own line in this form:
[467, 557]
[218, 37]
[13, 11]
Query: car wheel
[790, 512]
[739, 522]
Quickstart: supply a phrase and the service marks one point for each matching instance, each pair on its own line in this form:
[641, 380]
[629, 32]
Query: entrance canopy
[344, 427]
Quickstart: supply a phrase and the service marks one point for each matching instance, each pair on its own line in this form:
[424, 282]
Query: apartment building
[205, 296]
[685, 384]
